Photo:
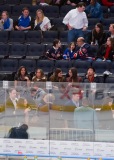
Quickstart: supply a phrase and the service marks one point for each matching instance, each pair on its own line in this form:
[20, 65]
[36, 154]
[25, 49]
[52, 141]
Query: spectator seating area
[27, 48]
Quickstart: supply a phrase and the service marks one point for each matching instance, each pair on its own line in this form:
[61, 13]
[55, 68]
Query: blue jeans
[74, 34]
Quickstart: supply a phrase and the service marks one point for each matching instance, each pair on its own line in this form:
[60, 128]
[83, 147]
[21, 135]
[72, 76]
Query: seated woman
[73, 77]
[41, 21]
[6, 23]
[97, 36]
[22, 77]
[69, 52]
[39, 76]
[55, 53]
[106, 52]
[57, 76]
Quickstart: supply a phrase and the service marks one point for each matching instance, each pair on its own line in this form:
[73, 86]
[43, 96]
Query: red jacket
[107, 3]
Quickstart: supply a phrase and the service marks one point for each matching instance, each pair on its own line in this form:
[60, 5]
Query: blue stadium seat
[33, 37]
[64, 65]
[49, 36]
[105, 11]
[65, 9]
[26, 2]
[17, 37]
[29, 64]
[112, 11]
[4, 35]
[17, 51]
[51, 11]
[4, 50]
[58, 25]
[107, 22]
[94, 50]
[46, 65]
[5, 8]
[33, 9]
[101, 67]
[81, 66]
[109, 79]
[63, 37]
[17, 9]
[92, 23]
[112, 68]
[35, 51]
[2, 2]
[8, 65]
[13, 2]
[7, 68]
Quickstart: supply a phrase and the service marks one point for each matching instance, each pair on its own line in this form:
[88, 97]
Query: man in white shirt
[76, 21]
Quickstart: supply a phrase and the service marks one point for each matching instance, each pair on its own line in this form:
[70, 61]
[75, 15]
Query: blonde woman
[41, 22]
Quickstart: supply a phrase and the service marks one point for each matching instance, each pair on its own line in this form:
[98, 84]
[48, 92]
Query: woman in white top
[6, 23]
[41, 22]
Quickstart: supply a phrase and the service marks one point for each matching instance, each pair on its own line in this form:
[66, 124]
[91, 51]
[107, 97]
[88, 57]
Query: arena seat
[26, 2]
[4, 50]
[4, 35]
[33, 10]
[49, 36]
[46, 65]
[109, 79]
[29, 64]
[63, 36]
[33, 37]
[17, 51]
[35, 51]
[51, 11]
[17, 37]
[112, 11]
[12, 2]
[92, 23]
[65, 9]
[58, 25]
[81, 66]
[64, 65]
[5, 8]
[17, 9]
[101, 66]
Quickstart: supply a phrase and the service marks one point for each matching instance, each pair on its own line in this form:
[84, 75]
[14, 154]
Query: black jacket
[102, 51]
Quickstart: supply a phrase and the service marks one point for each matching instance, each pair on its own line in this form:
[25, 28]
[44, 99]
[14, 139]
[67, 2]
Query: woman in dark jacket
[106, 52]
[57, 76]
[97, 36]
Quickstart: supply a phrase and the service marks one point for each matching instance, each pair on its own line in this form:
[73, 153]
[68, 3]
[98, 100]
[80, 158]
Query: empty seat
[35, 51]
[101, 67]
[4, 36]
[94, 50]
[109, 79]
[46, 65]
[63, 37]
[112, 11]
[65, 9]
[29, 64]
[17, 9]
[17, 37]
[17, 51]
[81, 66]
[33, 9]
[64, 65]
[5, 8]
[58, 25]
[2, 2]
[105, 11]
[12, 2]
[9, 65]
[107, 22]
[49, 36]
[51, 11]
[33, 37]
[92, 22]
[4, 50]
[26, 2]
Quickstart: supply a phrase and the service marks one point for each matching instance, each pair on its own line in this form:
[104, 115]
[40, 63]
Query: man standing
[76, 21]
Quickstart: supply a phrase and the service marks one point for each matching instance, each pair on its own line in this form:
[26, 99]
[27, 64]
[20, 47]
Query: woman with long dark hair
[57, 76]
[73, 76]
[97, 36]
[22, 76]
